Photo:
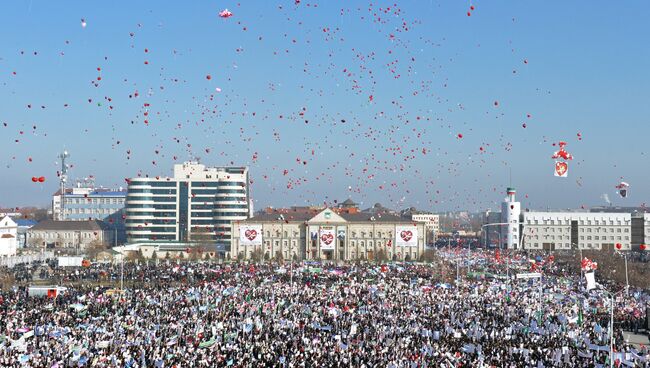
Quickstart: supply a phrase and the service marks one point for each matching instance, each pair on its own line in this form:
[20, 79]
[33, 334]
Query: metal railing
[30, 258]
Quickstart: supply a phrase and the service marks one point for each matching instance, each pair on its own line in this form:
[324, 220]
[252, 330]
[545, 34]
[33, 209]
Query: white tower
[510, 211]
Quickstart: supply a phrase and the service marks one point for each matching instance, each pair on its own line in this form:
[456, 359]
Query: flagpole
[627, 280]
[611, 332]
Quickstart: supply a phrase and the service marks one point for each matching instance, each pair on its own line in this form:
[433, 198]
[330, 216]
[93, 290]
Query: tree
[94, 248]
[256, 255]
[59, 241]
[429, 256]
[278, 256]
[132, 256]
[154, 255]
[36, 242]
[381, 256]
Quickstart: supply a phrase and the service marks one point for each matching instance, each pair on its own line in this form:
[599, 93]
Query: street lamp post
[499, 224]
[612, 298]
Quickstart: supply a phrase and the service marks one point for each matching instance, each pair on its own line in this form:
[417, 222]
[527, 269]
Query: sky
[412, 103]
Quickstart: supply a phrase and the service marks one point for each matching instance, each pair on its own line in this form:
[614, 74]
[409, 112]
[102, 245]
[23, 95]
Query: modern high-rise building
[197, 204]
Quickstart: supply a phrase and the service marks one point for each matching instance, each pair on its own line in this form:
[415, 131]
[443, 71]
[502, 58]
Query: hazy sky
[331, 99]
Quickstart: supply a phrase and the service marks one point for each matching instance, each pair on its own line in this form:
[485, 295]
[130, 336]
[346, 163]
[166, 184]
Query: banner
[250, 235]
[561, 169]
[327, 237]
[531, 275]
[406, 236]
[591, 280]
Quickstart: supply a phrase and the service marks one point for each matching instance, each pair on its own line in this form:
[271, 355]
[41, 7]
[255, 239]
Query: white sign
[591, 280]
[532, 275]
[250, 235]
[561, 169]
[70, 261]
[406, 236]
[327, 237]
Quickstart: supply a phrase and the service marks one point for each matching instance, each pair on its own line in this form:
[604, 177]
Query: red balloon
[34, 179]
[642, 246]
[618, 246]
[41, 179]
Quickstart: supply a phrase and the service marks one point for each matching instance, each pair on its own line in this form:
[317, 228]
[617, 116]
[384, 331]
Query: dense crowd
[312, 315]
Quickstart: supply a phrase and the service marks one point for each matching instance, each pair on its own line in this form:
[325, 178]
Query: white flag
[591, 280]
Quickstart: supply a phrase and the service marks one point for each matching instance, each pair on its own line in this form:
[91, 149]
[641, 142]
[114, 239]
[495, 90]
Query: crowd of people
[314, 315]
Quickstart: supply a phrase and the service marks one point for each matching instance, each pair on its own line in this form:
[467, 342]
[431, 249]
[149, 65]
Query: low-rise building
[23, 226]
[69, 234]
[328, 234]
[8, 237]
[577, 230]
[88, 203]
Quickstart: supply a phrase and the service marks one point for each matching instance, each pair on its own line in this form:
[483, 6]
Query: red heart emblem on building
[327, 238]
[250, 234]
[406, 235]
[561, 168]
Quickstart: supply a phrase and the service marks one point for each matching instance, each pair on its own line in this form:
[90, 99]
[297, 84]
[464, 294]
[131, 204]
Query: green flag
[580, 316]
[207, 344]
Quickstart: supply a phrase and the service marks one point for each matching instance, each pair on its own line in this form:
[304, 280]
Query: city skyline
[416, 105]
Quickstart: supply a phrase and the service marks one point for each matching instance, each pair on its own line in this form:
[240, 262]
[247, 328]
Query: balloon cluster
[40, 179]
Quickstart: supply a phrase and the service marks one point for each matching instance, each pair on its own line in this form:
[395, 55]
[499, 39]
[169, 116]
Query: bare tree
[278, 256]
[381, 256]
[36, 242]
[94, 248]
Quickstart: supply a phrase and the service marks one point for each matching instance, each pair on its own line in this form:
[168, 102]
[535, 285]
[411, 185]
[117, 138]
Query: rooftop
[303, 216]
[92, 225]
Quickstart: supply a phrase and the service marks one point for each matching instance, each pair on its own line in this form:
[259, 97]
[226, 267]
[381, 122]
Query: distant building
[577, 230]
[8, 237]
[83, 204]
[492, 234]
[23, 226]
[75, 235]
[594, 230]
[197, 204]
[328, 234]
[12, 212]
[379, 208]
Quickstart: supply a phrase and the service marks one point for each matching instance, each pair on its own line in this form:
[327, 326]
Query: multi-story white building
[328, 234]
[87, 203]
[577, 230]
[198, 203]
[431, 221]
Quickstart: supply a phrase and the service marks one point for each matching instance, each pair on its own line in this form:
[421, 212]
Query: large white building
[431, 221]
[577, 230]
[567, 230]
[328, 234]
[8, 237]
[87, 203]
[197, 204]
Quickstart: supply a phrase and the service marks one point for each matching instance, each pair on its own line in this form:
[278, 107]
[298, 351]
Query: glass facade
[198, 205]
